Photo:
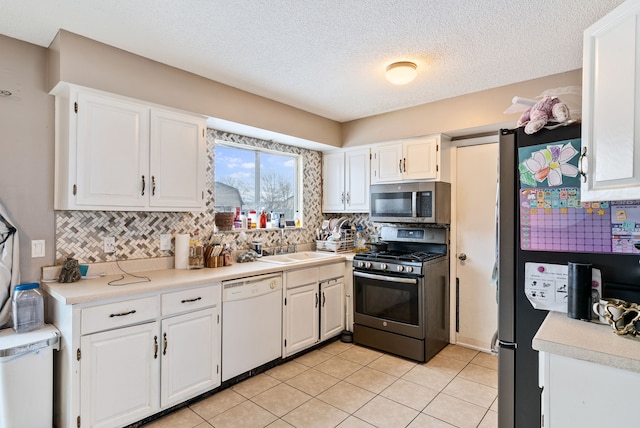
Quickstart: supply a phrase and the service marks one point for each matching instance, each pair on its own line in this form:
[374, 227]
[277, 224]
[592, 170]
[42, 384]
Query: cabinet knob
[462, 257]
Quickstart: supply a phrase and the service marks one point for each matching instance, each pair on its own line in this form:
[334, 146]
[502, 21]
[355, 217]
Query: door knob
[462, 257]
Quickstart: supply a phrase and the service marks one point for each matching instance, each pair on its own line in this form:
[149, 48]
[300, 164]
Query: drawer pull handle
[122, 314]
[191, 300]
[164, 345]
[155, 347]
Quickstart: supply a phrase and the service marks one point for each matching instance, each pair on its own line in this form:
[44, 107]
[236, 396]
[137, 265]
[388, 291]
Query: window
[255, 178]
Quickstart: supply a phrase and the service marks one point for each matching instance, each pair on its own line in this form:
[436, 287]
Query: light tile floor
[348, 386]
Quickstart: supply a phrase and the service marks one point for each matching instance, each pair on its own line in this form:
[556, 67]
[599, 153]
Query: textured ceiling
[328, 56]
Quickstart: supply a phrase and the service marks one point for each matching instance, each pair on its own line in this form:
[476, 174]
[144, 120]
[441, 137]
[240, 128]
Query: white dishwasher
[251, 323]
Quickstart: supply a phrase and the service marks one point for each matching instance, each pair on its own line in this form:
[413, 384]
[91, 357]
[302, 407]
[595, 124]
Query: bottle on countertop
[243, 220]
[263, 220]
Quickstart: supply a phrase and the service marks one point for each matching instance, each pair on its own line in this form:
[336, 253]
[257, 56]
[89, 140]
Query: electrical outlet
[109, 245]
[165, 242]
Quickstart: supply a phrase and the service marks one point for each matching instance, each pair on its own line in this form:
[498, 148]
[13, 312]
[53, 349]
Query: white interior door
[476, 185]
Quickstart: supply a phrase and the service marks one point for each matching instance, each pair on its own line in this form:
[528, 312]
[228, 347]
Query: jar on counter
[27, 307]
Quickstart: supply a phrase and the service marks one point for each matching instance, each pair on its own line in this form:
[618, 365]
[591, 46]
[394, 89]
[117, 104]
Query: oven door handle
[386, 278]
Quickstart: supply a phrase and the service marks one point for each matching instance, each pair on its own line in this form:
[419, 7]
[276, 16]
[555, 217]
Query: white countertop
[98, 289]
[588, 341]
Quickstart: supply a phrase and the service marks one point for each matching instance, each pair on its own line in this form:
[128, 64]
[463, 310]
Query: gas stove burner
[398, 256]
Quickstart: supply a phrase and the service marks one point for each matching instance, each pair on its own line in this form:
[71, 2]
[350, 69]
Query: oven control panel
[414, 269]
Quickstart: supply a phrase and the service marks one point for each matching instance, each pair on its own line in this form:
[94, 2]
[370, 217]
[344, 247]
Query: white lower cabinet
[119, 376]
[314, 306]
[190, 356]
[332, 308]
[301, 318]
[577, 393]
[123, 361]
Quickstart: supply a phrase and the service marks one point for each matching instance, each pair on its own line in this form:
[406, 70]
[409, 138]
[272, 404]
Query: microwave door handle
[414, 204]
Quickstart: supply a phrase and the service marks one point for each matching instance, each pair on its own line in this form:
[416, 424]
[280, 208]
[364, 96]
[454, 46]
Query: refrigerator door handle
[507, 345]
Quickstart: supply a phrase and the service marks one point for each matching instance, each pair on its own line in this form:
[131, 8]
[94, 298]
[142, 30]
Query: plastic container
[26, 377]
[27, 307]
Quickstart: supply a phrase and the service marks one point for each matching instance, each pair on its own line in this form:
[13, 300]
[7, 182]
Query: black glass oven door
[389, 303]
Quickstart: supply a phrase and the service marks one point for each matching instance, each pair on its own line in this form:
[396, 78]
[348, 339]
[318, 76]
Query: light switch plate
[37, 248]
[165, 242]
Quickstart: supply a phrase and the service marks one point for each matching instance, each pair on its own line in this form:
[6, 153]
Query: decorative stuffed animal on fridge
[546, 110]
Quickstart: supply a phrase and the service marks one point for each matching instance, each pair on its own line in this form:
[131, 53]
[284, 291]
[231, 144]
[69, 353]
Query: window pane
[254, 179]
[277, 183]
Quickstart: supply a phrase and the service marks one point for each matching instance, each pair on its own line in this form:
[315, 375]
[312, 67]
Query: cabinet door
[112, 153]
[420, 160]
[388, 163]
[611, 106]
[177, 161]
[357, 166]
[333, 196]
[332, 309]
[119, 375]
[190, 355]
[301, 318]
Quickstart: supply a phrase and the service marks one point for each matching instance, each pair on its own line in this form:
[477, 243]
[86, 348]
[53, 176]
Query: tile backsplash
[79, 234]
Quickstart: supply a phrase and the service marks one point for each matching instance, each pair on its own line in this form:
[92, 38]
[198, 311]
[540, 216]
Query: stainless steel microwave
[412, 202]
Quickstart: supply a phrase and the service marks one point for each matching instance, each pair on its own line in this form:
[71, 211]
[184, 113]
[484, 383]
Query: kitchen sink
[290, 258]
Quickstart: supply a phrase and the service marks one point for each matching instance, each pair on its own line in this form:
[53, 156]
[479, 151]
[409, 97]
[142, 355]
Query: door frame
[453, 250]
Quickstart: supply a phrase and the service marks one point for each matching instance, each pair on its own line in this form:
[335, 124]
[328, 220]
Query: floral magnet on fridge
[550, 165]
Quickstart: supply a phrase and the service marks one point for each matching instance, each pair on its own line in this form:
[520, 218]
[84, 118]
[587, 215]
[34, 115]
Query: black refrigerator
[521, 239]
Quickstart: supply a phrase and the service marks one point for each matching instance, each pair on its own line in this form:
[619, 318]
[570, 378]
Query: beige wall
[467, 112]
[26, 150]
[76, 59]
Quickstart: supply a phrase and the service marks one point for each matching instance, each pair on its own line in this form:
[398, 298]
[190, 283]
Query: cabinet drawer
[332, 271]
[300, 277]
[189, 300]
[114, 315]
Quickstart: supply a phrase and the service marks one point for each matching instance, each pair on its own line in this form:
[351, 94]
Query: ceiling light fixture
[401, 73]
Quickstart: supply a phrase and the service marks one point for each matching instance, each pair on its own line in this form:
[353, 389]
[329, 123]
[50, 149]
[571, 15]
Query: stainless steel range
[402, 293]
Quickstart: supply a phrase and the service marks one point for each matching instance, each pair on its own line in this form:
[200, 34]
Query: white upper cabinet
[118, 154]
[345, 181]
[112, 153]
[177, 160]
[611, 106]
[424, 158]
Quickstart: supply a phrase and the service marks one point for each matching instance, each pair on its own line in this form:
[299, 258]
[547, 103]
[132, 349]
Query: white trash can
[26, 377]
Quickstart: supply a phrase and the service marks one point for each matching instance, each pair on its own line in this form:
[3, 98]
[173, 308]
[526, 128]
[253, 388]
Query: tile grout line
[375, 394]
